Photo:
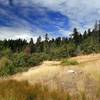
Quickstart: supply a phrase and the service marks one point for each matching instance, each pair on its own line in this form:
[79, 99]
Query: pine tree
[31, 45]
[39, 45]
[46, 44]
[76, 36]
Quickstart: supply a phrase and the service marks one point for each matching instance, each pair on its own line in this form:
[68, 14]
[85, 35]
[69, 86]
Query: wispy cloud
[31, 18]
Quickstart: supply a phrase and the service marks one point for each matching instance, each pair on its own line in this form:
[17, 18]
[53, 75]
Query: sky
[32, 18]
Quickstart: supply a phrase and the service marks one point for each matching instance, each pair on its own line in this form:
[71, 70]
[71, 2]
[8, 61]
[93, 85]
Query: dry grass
[84, 84]
[13, 90]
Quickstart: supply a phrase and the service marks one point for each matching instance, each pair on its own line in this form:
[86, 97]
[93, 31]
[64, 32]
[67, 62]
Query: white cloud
[78, 11]
[16, 33]
[81, 13]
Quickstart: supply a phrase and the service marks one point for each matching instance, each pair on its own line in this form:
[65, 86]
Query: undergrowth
[65, 62]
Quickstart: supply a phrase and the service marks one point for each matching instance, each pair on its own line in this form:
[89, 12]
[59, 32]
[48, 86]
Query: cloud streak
[56, 17]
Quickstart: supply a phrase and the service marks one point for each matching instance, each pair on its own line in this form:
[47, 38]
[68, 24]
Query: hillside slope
[84, 76]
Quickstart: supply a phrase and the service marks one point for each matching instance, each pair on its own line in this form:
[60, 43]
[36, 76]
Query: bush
[6, 53]
[6, 67]
[4, 61]
[19, 59]
[69, 62]
[35, 59]
[23, 60]
[7, 70]
[19, 62]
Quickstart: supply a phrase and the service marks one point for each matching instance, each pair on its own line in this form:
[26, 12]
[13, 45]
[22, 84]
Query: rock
[72, 72]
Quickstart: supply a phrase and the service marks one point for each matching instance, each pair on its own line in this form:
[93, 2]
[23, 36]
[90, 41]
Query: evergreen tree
[39, 45]
[46, 44]
[31, 45]
[76, 36]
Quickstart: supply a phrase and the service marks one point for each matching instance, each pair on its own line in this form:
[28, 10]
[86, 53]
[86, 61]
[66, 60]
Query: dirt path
[45, 71]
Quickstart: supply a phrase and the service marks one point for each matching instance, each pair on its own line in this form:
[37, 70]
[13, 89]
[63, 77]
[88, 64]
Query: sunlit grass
[13, 90]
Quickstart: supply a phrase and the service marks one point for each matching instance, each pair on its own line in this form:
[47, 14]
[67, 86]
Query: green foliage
[90, 45]
[69, 62]
[35, 59]
[77, 37]
[19, 59]
[4, 61]
[19, 62]
[54, 49]
[6, 67]
[6, 52]
[23, 60]
[23, 54]
[7, 70]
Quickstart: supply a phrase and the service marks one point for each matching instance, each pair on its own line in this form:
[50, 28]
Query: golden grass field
[84, 77]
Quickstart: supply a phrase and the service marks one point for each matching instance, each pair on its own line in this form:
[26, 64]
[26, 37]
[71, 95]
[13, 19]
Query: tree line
[19, 55]
[76, 44]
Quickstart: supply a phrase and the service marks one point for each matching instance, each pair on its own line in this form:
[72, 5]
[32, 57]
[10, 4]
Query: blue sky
[31, 18]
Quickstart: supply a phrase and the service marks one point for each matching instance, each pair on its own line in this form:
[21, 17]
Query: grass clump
[69, 62]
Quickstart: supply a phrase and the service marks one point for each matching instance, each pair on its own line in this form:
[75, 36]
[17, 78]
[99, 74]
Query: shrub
[69, 62]
[19, 59]
[34, 59]
[6, 67]
[23, 60]
[19, 62]
[4, 61]
[6, 53]
[7, 70]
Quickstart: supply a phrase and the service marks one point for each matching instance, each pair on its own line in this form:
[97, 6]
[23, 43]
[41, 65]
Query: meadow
[77, 78]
